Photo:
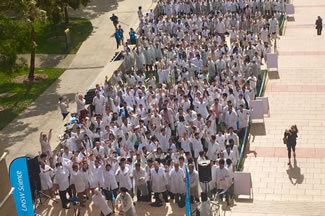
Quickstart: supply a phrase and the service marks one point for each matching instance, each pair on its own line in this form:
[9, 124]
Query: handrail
[6, 197]
[3, 156]
[104, 70]
[262, 85]
[243, 145]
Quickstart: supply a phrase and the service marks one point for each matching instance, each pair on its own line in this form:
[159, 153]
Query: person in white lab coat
[99, 103]
[243, 117]
[124, 203]
[231, 118]
[109, 183]
[177, 184]
[123, 175]
[61, 178]
[213, 149]
[159, 183]
[205, 207]
[228, 153]
[45, 177]
[140, 177]
[223, 181]
[77, 179]
[100, 203]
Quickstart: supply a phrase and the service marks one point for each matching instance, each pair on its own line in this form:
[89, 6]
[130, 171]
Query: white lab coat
[45, 177]
[123, 177]
[101, 203]
[159, 180]
[177, 183]
[99, 104]
[213, 150]
[77, 178]
[126, 204]
[231, 119]
[243, 117]
[194, 183]
[223, 178]
[109, 180]
[61, 178]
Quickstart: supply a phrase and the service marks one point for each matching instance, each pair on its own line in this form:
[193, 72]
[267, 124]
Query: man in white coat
[223, 180]
[126, 207]
[159, 183]
[243, 117]
[177, 184]
[61, 178]
[100, 203]
[99, 103]
[123, 175]
[231, 118]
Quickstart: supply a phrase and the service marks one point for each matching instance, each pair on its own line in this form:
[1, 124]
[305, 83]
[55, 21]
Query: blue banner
[19, 180]
[187, 194]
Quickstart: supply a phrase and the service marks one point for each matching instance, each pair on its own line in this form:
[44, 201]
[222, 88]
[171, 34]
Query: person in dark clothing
[319, 25]
[114, 19]
[291, 136]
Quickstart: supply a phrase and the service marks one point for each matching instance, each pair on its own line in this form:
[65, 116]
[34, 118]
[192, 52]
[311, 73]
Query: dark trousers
[158, 200]
[319, 31]
[179, 199]
[289, 147]
[109, 193]
[63, 196]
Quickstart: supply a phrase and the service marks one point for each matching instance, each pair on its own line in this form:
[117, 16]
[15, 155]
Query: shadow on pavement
[47, 102]
[294, 173]
[96, 8]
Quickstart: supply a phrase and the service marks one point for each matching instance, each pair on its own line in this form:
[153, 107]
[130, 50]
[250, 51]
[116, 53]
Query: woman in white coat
[100, 203]
[45, 177]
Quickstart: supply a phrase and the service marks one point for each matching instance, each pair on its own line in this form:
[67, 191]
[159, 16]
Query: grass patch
[50, 39]
[21, 95]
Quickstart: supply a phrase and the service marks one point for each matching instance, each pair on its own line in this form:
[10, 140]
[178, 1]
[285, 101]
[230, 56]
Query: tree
[31, 13]
[74, 4]
[12, 44]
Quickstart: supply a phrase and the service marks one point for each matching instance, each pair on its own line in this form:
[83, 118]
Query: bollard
[68, 39]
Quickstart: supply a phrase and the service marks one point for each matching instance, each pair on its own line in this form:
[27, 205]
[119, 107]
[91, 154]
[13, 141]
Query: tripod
[215, 205]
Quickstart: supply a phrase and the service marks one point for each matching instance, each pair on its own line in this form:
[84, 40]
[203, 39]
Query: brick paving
[296, 96]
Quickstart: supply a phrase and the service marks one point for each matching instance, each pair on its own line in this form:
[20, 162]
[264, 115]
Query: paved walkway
[296, 96]
[21, 136]
[50, 60]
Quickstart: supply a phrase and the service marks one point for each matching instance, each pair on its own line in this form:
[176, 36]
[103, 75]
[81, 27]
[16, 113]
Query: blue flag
[187, 195]
[19, 180]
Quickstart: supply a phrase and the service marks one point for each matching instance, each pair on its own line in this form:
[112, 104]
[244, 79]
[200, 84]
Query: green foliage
[21, 95]
[12, 44]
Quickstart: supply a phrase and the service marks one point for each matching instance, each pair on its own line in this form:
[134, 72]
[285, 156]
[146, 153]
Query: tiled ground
[296, 96]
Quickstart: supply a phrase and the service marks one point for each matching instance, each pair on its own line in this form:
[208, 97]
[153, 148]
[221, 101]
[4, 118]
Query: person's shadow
[294, 173]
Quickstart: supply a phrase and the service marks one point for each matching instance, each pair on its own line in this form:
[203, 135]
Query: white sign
[272, 60]
[257, 109]
[242, 183]
[265, 104]
[290, 9]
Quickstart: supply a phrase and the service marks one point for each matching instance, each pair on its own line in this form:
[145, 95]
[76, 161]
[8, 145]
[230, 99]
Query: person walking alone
[114, 19]
[291, 136]
[319, 25]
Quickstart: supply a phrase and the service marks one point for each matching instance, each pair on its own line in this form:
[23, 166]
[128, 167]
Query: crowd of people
[183, 96]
